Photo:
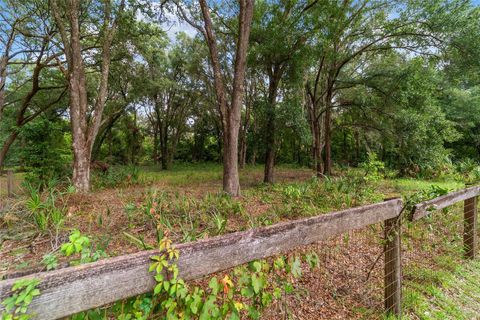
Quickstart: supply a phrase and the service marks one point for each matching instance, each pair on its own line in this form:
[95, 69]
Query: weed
[47, 209]
[116, 176]
[17, 304]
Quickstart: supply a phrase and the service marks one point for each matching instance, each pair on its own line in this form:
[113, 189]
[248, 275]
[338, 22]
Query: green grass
[406, 186]
[452, 294]
[183, 174]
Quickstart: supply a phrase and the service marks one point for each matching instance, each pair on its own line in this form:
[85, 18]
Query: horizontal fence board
[424, 208]
[71, 290]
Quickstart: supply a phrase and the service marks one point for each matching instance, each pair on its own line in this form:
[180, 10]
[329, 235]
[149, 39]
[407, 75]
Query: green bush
[46, 153]
[116, 176]
[374, 168]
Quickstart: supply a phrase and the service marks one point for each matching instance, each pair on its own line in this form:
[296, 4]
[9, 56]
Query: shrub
[374, 168]
[46, 153]
[116, 176]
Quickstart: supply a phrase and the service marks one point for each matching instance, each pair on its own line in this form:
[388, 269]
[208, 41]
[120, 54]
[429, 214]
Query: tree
[351, 33]
[230, 111]
[25, 62]
[75, 20]
[279, 33]
[168, 90]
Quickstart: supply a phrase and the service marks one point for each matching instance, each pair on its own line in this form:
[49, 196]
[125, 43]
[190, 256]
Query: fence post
[393, 267]
[10, 183]
[470, 227]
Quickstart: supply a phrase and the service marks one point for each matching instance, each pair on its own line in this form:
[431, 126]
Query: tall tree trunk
[81, 168]
[270, 150]
[84, 129]
[328, 142]
[155, 144]
[253, 159]
[270, 139]
[231, 180]
[317, 148]
[243, 138]
[327, 170]
[230, 114]
[164, 152]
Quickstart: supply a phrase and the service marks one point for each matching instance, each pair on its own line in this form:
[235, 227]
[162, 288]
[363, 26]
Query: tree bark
[327, 162]
[270, 139]
[243, 137]
[84, 132]
[328, 142]
[317, 148]
[230, 114]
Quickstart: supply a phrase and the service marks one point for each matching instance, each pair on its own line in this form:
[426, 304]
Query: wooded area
[316, 83]
[130, 125]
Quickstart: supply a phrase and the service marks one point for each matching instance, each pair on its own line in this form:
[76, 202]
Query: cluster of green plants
[187, 218]
[116, 176]
[315, 196]
[79, 249]
[23, 292]
[244, 292]
[373, 167]
[46, 153]
[469, 171]
[47, 209]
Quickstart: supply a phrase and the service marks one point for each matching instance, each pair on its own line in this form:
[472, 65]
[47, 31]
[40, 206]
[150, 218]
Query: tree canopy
[315, 83]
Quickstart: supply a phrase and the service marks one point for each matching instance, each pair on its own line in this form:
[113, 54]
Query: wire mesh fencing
[347, 284]
[437, 252]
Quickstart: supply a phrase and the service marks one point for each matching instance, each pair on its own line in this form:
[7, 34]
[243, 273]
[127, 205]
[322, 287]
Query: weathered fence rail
[423, 209]
[469, 197]
[68, 291]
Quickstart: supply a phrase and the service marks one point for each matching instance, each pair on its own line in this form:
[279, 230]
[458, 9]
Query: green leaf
[158, 289]
[296, 267]
[257, 283]
[214, 285]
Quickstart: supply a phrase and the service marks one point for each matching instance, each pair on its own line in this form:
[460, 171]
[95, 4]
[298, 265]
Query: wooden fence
[469, 197]
[74, 289]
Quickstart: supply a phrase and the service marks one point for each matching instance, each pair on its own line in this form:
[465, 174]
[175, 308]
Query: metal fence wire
[347, 284]
[437, 252]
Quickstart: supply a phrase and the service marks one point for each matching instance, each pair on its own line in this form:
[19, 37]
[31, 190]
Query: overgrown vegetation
[188, 218]
[129, 128]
